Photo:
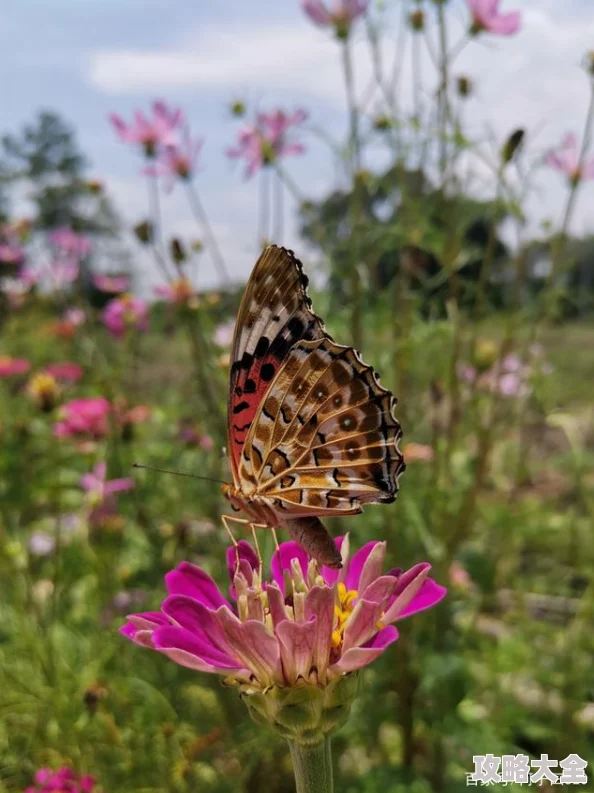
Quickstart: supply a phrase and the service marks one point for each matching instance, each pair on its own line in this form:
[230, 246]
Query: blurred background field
[442, 214]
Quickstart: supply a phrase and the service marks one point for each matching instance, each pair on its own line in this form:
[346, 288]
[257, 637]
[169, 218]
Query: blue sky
[85, 58]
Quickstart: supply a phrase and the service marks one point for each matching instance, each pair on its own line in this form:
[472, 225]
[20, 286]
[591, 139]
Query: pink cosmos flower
[13, 366]
[487, 17]
[340, 16]
[157, 130]
[125, 313]
[179, 291]
[64, 780]
[223, 335]
[566, 159]
[87, 416]
[69, 242]
[304, 624]
[11, 254]
[99, 488]
[177, 161]
[262, 143]
[65, 372]
[111, 283]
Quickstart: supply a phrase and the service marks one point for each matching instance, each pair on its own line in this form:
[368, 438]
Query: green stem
[313, 767]
[201, 217]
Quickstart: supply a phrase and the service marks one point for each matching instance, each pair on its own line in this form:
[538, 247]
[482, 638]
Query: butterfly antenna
[177, 473]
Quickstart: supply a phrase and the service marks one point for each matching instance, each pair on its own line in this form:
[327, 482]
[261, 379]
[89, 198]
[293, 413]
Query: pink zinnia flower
[158, 130]
[566, 159]
[87, 416]
[304, 625]
[64, 780]
[262, 143]
[65, 372]
[13, 366]
[177, 161]
[486, 16]
[340, 16]
[111, 283]
[125, 313]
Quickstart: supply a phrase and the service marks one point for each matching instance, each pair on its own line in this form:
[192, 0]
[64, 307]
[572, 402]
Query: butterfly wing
[274, 314]
[324, 441]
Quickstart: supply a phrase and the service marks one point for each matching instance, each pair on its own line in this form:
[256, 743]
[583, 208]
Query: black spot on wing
[267, 372]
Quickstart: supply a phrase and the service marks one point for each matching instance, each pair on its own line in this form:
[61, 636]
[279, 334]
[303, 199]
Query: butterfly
[311, 432]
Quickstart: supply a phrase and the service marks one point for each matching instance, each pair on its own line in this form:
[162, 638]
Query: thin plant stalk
[201, 217]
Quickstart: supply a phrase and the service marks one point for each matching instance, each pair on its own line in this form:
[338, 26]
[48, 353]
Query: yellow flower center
[342, 611]
[43, 386]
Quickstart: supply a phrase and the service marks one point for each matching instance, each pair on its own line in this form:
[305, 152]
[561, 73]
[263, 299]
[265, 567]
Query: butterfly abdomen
[312, 536]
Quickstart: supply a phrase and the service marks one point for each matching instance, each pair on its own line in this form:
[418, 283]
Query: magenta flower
[87, 416]
[99, 488]
[265, 141]
[304, 626]
[125, 313]
[158, 130]
[487, 17]
[65, 372]
[111, 283]
[340, 16]
[177, 161]
[566, 159]
[101, 494]
[13, 366]
[11, 254]
[64, 780]
[70, 243]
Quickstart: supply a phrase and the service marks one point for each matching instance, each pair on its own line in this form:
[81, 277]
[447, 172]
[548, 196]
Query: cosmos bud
[511, 145]
[177, 251]
[464, 86]
[416, 20]
[144, 232]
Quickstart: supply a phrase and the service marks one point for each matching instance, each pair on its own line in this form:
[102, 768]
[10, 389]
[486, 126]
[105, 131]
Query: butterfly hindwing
[324, 440]
[275, 314]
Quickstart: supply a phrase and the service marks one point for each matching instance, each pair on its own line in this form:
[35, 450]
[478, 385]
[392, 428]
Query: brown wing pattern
[275, 313]
[324, 440]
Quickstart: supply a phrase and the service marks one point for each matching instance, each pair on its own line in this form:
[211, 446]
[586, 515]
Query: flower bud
[144, 232]
[416, 20]
[382, 123]
[464, 86]
[511, 145]
[238, 108]
[485, 354]
[177, 251]
[589, 62]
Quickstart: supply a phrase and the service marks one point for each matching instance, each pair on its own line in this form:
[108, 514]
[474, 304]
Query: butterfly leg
[232, 519]
[253, 527]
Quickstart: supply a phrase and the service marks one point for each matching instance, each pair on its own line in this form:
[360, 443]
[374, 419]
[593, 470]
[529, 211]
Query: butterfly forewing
[275, 313]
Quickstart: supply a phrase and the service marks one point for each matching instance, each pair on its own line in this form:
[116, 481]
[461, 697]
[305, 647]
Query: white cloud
[287, 57]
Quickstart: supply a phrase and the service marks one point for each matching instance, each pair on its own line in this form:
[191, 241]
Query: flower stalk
[313, 767]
